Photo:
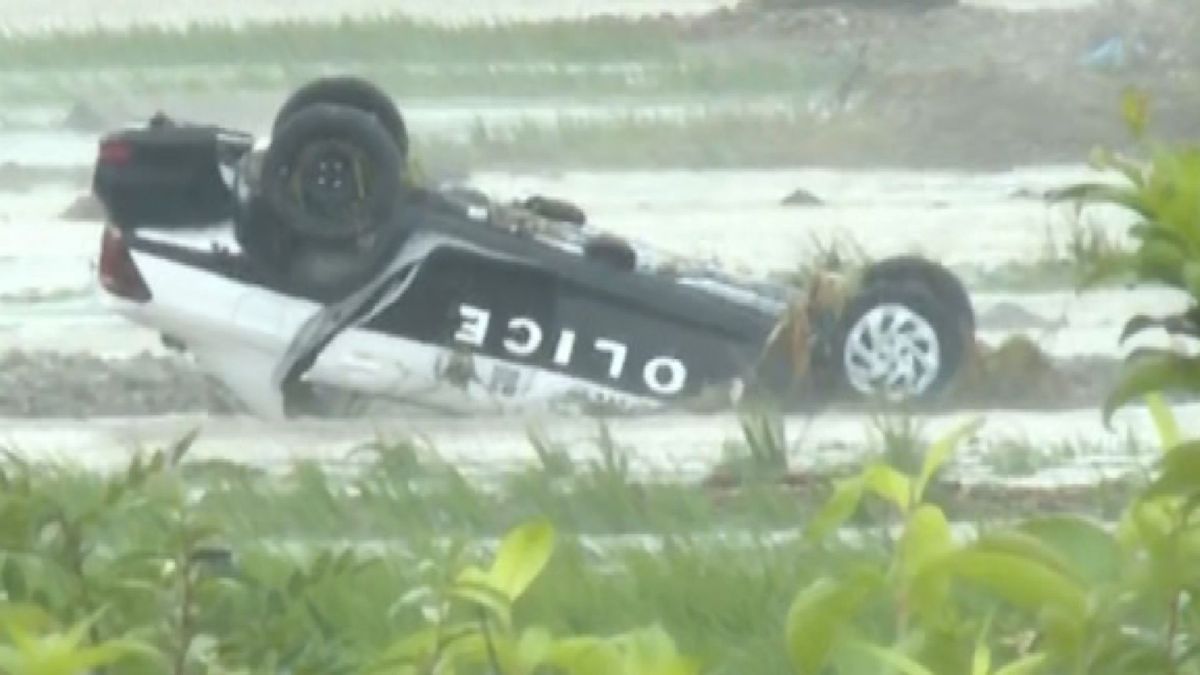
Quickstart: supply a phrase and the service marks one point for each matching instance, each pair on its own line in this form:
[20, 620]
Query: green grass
[715, 139]
[400, 491]
[700, 78]
[595, 59]
[323, 570]
[396, 39]
[1066, 259]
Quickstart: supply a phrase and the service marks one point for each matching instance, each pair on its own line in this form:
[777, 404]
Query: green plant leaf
[892, 658]
[818, 618]
[1132, 170]
[1026, 665]
[1089, 549]
[478, 587]
[1191, 278]
[840, 506]
[1164, 421]
[1135, 110]
[522, 556]
[889, 484]
[534, 648]
[1021, 574]
[1158, 371]
[1103, 193]
[447, 643]
[939, 452]
[651, 651]
[926, 540]
[587, 656]
[1180, 476]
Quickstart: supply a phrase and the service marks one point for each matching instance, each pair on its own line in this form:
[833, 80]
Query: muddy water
[47, 294]
[734, 217]
[686, 447]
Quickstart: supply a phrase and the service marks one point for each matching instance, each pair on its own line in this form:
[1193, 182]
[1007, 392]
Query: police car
[314, 261]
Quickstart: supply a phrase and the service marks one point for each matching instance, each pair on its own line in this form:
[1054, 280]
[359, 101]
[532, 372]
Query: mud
[39, 384]
[975, 87]
[74, 385]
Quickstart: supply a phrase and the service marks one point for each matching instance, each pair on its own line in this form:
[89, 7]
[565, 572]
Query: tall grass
[395, 38]
[687, 78]
[713, 139]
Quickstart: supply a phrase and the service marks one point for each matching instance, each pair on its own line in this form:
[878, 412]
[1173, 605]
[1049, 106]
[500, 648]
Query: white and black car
[314, 262]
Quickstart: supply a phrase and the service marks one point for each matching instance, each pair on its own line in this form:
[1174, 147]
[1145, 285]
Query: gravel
[45, 384]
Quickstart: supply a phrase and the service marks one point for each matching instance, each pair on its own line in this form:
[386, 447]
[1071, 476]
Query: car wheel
[347, 92]
[943, 284]
[897, 344]
[332, 173]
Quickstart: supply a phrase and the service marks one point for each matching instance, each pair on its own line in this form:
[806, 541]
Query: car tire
[264, 242]
[900, 334]
[332, 174]
[347, 92]
[943, 284]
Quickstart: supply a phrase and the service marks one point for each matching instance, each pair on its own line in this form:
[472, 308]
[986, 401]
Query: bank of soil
[55, 385]
[43, 384]
[973, 87]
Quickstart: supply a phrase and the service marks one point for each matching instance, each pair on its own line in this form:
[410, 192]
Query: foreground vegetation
[179, 567]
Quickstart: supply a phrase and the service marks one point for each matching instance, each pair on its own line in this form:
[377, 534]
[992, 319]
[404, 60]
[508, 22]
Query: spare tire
[332, 173]
[347, 92]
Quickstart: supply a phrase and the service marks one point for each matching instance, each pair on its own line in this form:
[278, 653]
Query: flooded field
[968, 220]
[67, 359]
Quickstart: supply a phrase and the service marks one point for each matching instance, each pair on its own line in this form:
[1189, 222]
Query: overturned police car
[313, 261]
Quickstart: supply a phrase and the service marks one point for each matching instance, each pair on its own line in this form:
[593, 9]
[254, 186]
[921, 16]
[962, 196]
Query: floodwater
[982, 220]
[681, 447]
[733, 217]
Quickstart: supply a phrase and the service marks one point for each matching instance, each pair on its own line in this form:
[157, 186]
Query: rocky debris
[802, 197]
[46, 384]
[85, 208]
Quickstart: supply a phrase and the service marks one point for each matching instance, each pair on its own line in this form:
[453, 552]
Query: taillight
[115, 151]
[118, 273]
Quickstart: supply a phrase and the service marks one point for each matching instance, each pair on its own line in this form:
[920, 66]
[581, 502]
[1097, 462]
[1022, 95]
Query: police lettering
[523, 337]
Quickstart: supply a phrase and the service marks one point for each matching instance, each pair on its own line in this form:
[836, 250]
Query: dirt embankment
[43, 384]
[973, 87]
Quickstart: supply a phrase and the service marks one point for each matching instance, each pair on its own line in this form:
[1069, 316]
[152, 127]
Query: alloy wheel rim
[893, 352]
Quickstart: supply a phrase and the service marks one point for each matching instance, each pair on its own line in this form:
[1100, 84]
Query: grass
[400, 491]
[1066, 259]
[299, 577]
[394, 38]
[595, 58]
[710, 139]
[553, 80]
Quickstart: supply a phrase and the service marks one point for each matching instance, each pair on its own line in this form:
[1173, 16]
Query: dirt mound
[44, 384]
[975, 87]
